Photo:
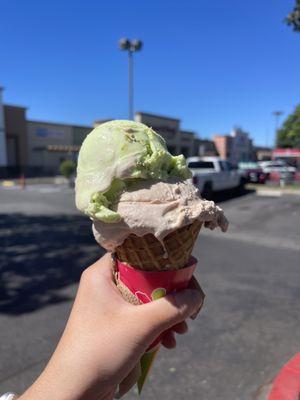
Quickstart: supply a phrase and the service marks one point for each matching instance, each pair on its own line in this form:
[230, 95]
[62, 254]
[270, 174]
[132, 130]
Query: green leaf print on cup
[158, 293]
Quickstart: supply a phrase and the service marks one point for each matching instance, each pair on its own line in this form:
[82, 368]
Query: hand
[105, 337]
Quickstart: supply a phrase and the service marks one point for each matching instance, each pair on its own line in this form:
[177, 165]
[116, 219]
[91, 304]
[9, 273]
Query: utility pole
[277, 115]
[130, 47]
[3, 154]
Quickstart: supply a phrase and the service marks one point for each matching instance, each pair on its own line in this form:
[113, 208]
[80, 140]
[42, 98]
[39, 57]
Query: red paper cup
[151, 285]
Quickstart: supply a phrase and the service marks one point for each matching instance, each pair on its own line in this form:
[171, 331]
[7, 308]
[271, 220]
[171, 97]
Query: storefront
[49, 144]
[291, 156]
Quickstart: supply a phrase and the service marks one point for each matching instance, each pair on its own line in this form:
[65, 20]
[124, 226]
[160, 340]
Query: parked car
[278, 170]
[252, 172]
[213, 174]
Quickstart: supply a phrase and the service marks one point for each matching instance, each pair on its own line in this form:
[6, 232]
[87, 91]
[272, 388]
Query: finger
[170, 310]
[180, 328]
[101, 274]
[168, 340]
[104, 266]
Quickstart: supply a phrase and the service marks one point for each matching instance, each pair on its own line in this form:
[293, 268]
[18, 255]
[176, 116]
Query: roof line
[59, 123]
[157, 115]
[14, 105]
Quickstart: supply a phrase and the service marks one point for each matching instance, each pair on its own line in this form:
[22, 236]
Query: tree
[289, 134]
[294, 17]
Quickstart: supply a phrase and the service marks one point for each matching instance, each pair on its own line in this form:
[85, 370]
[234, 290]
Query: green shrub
[67, 168]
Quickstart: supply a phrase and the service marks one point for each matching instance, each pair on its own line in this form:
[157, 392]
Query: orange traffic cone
[22, 181]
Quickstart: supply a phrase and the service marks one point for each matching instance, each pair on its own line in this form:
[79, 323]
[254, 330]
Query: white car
[213, 174]
[276, 166]
[280, 168]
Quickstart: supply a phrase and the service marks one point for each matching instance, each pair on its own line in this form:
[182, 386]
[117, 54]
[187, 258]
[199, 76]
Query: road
[249, 325]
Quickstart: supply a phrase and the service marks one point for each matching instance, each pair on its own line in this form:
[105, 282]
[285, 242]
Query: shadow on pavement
[39, 256]
[226, 195]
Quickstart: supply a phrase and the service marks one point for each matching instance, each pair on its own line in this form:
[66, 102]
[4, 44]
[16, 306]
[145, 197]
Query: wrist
[65, 387]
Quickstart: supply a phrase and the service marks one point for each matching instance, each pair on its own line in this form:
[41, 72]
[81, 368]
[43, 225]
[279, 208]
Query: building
[3, 157]
[51, 143]
[235, 147]
[206, 148]
[178, 141]
[37, 148]
[242, 147]
[262, 153]
[223, 145]
[16, 136]
[13, 137]
[188, 143]
[13, 140]
[290, 156]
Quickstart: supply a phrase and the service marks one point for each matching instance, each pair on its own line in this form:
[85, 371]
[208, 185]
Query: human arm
[105, 337]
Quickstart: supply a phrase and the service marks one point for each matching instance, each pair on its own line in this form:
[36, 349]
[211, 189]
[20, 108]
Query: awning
[286, 152]
[59, 148]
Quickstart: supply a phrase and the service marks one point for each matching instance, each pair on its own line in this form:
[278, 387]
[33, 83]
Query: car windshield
[201, 164]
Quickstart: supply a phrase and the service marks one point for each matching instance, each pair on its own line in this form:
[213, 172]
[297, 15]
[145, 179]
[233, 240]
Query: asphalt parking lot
[249, 326]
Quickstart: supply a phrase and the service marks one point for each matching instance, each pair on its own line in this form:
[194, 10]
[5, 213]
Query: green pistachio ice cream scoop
[112, 157]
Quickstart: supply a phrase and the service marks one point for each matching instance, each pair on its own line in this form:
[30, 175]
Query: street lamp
[277, 115]
[131, 47]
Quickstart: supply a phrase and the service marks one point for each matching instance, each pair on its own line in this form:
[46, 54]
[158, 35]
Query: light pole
[131, 47]
[277, 115]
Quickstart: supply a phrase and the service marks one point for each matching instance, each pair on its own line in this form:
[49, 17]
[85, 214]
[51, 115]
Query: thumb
[168, 311]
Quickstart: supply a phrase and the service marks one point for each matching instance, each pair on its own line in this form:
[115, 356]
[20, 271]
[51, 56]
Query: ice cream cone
[139, 286]
[147, 253]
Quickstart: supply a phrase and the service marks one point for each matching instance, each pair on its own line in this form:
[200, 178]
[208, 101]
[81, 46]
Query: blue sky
[213, 64]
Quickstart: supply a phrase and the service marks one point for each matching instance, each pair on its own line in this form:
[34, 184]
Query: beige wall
[41, 135]
[168, 128]
[178, 142]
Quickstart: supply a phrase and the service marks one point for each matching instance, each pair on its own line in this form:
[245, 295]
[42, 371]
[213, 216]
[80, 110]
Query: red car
[252, 172]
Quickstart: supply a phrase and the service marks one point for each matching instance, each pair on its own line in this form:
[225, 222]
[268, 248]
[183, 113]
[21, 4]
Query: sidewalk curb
[286, 385]
[275, 190]
[269, 193]
[52, 180]
[276, 193]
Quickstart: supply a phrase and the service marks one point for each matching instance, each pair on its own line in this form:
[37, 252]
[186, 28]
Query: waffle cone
[149, 254]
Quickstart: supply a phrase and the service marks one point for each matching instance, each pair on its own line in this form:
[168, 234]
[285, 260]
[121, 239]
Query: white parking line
[269, 193]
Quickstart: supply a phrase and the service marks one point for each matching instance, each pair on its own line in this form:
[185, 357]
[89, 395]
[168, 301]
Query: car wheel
[241, 187]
